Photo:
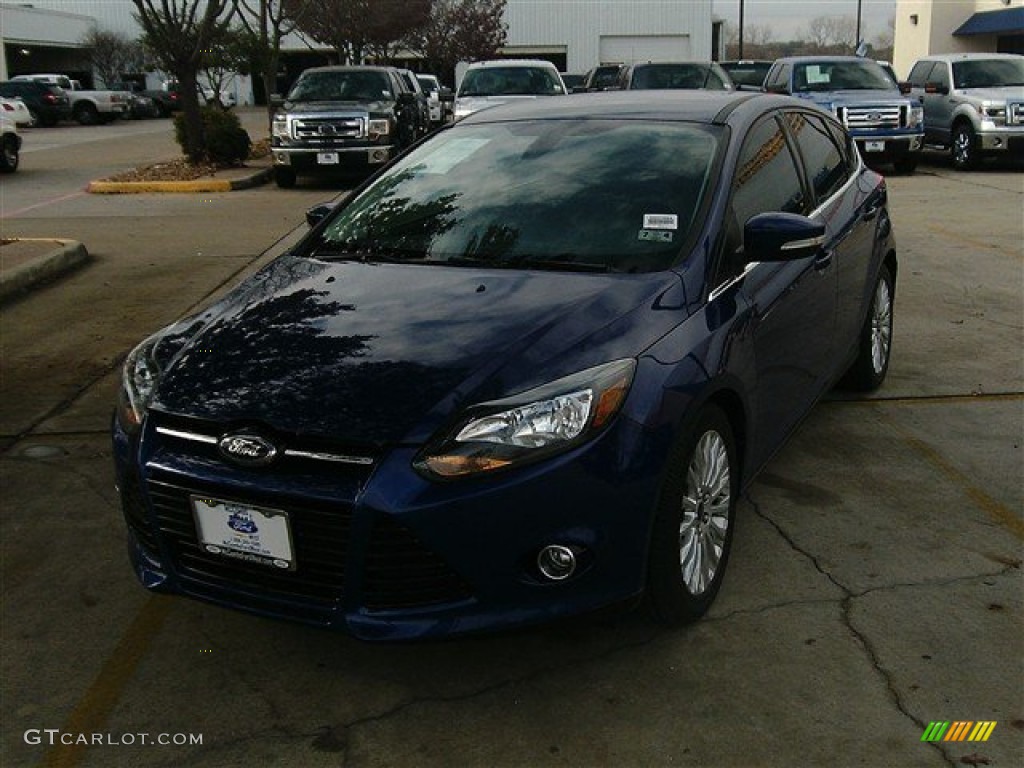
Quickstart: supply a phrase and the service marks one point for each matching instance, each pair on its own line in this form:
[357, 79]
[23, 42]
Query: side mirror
[936, 88]
[318, 213]
[777, 88]
[781, 237]
[906, 88]
[447, 94]
[406, 98]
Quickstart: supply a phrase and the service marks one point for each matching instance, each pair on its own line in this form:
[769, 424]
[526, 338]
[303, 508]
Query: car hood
[319, 107]
[386, 353]
[991, 94]
[842, 98]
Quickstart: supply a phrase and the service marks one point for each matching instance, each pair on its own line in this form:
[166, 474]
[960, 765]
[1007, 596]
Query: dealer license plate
[254, 534]
[327, 158]
[874, 146]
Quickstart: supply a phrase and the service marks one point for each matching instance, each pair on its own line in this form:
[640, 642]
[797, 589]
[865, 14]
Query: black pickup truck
[342, 119]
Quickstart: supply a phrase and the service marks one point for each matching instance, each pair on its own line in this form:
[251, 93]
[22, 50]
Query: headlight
[996, 114]
[531, 425]
[377, 128]
[279, 128]
[916, 117]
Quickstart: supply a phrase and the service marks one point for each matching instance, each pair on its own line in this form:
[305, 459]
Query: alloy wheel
[705, 520]
[881, 326]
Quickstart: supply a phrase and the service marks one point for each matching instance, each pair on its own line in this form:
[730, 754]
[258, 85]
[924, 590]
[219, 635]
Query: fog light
[379, 155]
[556, 562]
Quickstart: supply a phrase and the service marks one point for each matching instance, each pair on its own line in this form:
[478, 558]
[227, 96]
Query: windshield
[583, 195]
[677, 76]
[990, 73]
[748, 74]
[510, 81]
[340, 85]
[841, 76]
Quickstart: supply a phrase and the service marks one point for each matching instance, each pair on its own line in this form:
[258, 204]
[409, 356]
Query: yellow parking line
[92, 711]
[994, 509]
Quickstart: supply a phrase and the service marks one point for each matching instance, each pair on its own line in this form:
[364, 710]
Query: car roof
[350, 68]
[970, 56]
[810, 59]
[709, 107]
[511, 63]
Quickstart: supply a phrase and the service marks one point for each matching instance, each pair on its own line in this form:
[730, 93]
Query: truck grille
[867, 118]
[1015, 113]
[327, 129]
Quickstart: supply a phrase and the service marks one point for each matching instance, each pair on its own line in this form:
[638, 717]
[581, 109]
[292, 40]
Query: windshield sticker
[655, 236]
[661, 221]
[449, 154]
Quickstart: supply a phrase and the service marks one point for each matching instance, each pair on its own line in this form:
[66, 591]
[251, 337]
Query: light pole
[856, 42]
[740, 56]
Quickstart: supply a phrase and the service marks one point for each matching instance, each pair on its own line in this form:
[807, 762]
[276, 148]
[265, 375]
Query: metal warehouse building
[574, 34]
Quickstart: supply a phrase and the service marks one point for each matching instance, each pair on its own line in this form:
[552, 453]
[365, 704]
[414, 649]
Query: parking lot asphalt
[875, 584]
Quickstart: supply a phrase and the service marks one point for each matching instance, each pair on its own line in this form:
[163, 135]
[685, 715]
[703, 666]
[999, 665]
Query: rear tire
[875, 344]
[284, 177]
[693, 525]
[87, 114]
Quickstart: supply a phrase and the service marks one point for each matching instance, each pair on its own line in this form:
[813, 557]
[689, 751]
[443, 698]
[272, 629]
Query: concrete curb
[67, 256]
[255, 179]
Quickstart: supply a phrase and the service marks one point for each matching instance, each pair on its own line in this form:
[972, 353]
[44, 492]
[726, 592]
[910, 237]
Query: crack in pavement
[846, 605]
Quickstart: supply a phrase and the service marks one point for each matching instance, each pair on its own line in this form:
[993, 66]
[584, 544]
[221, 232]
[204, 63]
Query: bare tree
[111, 55]
[180, 33]
[356, 28]
[459, 30]
[268, 21]
[831, 34]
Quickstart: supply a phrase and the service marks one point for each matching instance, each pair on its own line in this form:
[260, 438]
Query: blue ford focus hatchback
[522, 373]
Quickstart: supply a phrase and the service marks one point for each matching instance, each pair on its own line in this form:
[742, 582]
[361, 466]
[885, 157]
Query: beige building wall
[936, 20]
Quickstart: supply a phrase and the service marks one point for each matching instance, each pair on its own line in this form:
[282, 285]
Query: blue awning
[1009, 21]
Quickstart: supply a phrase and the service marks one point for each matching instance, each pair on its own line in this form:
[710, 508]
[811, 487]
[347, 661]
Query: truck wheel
[36, 120]
[9, 155]
[284, 176]
[87, 114]
[965, 147]
[905, 165]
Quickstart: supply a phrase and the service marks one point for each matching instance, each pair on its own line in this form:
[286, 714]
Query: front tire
[9, 156]
[693, 526]
[284, 177]
[875, 344]
[965, 147]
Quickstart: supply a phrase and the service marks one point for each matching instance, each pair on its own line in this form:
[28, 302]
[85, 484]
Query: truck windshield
[988, 73]
[579, 195]
[341, 85]
[841, 76]
[510, 81]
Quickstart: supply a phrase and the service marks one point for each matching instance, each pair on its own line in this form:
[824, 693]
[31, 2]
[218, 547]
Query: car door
[939, 104]
[851, 215]
[793, 303]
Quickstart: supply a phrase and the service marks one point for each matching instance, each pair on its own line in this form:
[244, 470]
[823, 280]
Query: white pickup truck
[87, 107]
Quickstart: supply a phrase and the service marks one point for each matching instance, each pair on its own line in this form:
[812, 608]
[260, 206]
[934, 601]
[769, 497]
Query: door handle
[870, 213]
[823, 260]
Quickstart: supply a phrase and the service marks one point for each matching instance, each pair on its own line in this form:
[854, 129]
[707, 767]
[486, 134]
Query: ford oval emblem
[247, 449]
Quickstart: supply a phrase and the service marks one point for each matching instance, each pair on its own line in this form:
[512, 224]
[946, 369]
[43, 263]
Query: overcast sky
[786, 17]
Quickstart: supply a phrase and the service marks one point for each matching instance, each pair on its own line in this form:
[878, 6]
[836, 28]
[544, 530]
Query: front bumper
[886, 147]
[385, 554]
[998, 140]
[326, 159]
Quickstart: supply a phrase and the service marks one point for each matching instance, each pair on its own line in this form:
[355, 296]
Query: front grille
[320, 538]
[327, 129]
[133, 506]
[400, 572]
[1015, 113]
[863, 118]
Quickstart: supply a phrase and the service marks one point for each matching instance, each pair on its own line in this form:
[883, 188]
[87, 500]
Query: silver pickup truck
[973, 105]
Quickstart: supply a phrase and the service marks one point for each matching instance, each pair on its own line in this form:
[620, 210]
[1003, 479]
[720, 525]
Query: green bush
[226, 141]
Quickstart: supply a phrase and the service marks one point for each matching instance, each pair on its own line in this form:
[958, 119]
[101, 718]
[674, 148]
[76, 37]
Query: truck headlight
[377, 128]
[531, 425]
[997, 114]
[279, 128]
[915, 117]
